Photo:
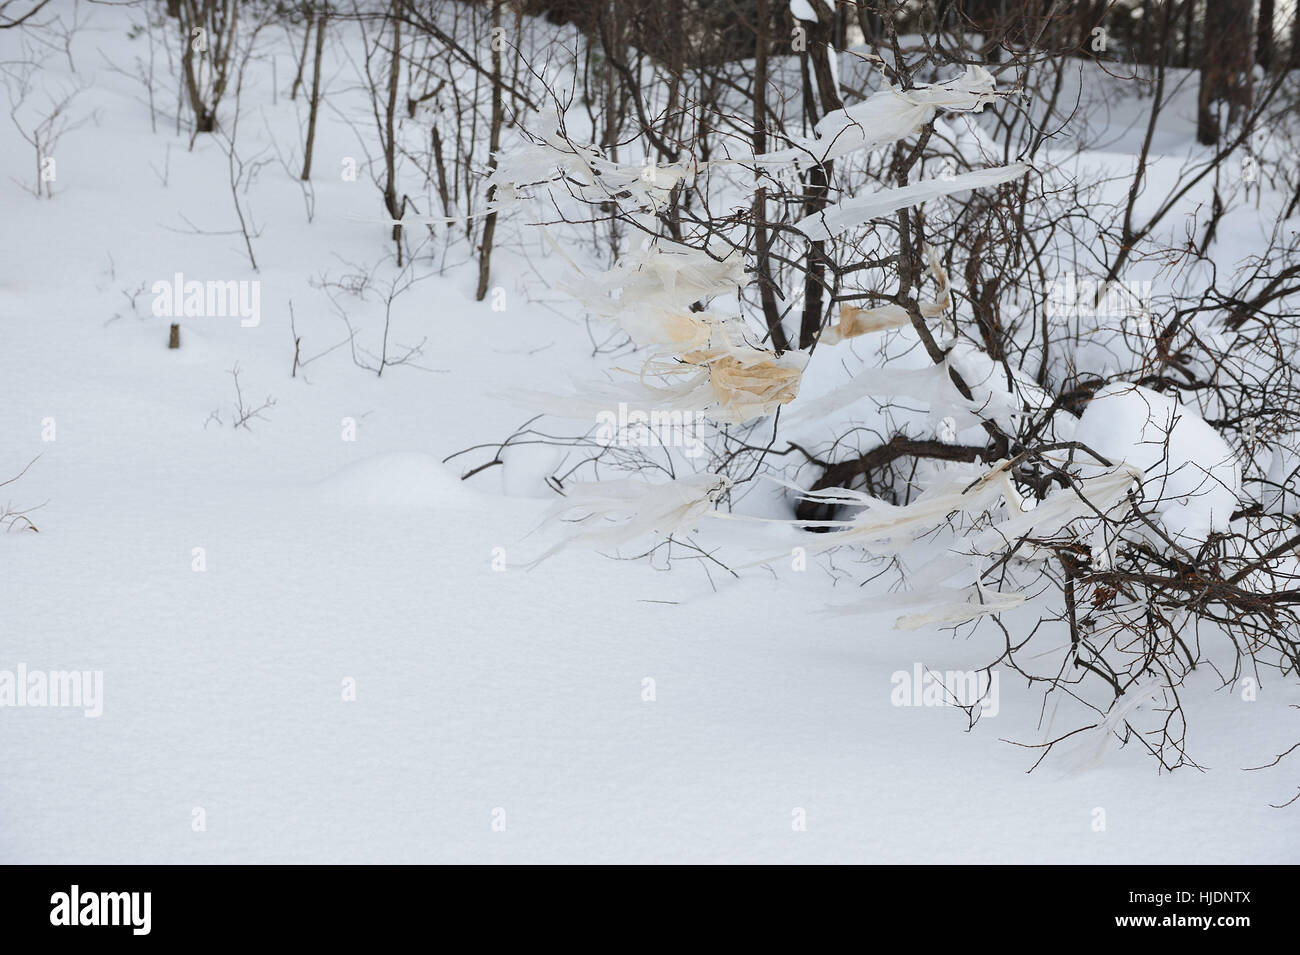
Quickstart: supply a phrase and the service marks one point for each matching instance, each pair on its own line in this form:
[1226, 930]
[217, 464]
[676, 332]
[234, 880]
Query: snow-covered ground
[499, 714]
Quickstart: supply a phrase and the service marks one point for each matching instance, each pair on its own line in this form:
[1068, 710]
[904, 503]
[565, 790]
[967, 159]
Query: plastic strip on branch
[884, 118]
[843, 216]
[855, 321]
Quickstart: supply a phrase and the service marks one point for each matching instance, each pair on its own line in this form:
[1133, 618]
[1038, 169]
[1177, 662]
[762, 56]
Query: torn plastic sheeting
[585, 164]
[893, 526]
[660, 275]
[856, 321]
[727, 384]
[748, 390]
[949, 605]
[620, 511]
[932, 598]
[674, 330]
[886, 117]
[853, 212]
[860, 321]
[890, 527]
[932, 385]
[1101, 493]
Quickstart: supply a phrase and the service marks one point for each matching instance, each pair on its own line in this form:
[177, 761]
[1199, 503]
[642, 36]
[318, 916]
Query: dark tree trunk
[310, 16]
[1264, 43]
[985, 17]
[321, 18]
[817, 183]
[1295, 41]
[762, 254]
[869, 21]
[494, 143]
[1227, 59]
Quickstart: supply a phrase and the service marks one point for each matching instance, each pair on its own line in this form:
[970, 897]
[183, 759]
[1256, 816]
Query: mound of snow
[525, 466]
[1280, 495]
[1192, 477]
[399, 479]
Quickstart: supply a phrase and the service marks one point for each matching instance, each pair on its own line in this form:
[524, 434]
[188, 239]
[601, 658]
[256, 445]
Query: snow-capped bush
[963, 342]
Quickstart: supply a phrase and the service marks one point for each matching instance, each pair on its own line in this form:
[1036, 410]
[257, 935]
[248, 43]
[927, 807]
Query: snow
[1192, 478]
[1283, 465]
[479, 685]
[803, 10]
[395, 480]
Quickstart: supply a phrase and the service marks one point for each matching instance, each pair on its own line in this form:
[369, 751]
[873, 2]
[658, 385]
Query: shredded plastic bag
[619, 511]
[845, 215]
[861, 321]
[856, 321]
[886, 117]
[592, 176]
[660, 274]
[745, 390]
